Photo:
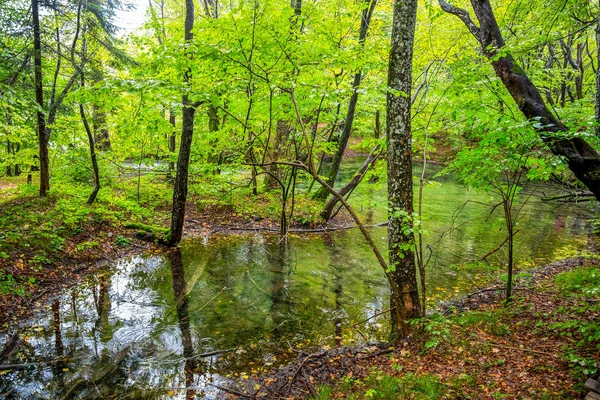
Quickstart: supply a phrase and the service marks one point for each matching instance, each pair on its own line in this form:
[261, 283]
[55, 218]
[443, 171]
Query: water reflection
[183, 318]
[170, 325]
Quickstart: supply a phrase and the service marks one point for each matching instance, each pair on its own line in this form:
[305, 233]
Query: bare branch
[463, 15]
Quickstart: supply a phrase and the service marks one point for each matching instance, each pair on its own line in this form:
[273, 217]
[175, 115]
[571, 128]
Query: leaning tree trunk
[187, 132]
[399, 137]
[92, 143]
[327, 212]
[95, 168]
[365, 21]
[88, 130]
[39, 98]
[583, 160]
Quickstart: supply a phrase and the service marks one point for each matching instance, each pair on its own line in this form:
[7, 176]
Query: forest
[299, 199]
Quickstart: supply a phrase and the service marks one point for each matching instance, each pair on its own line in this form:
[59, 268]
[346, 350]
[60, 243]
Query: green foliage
[9, 285]
[435, 329]
[122, 241]
[381, 386]
[582, 281]
[90, 244]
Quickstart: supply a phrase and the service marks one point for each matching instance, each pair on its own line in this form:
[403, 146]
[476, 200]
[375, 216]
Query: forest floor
[542, 345]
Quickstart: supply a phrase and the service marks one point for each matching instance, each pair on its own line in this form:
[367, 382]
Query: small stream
[151, 326]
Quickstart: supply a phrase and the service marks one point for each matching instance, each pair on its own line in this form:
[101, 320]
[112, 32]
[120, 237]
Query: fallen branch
[100, 373]
[379, 353]
[486, 290]
[314, 355]
[211, 353]
[231, 391]
[525, 350]
[11, 345]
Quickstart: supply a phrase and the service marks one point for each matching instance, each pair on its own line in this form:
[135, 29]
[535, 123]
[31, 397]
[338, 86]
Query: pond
[168, 325]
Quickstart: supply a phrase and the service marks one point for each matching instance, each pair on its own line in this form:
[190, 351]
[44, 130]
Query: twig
[311, 387]
[379, 353]
[374, 316]
[360, 333]
[5, 367]
[485, 290]
[210, 353]
[525, 350]
[211, 299]
[499, 246]
[314, 355]
[231, 391]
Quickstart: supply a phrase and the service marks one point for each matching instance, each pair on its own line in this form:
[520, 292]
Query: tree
[401, 240]
[39, 97]
[597, 98]
[500, 162]
[365, 21]
[187, 133]
[583, 160]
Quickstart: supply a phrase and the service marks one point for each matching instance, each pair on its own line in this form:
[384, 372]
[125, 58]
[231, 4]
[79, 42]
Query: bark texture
[583, 160]
[172, 138]
[185, 147]
[399, 145]
[39, 98]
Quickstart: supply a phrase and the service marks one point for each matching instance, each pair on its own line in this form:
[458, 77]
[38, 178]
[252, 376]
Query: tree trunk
[90, 136]
[39, 98]
[172, 139]
[399, 137]
[282, 132]
[510, 229]
[9, 152]
[88, 130]
[365, 21]
[213, 126]
[101, 135]
[583, 160]
[598, 74]
[13, 149]
[581, 72]
[327, 212]
[187, 132]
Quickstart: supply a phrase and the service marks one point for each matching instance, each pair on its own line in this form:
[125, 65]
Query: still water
[167, 325]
